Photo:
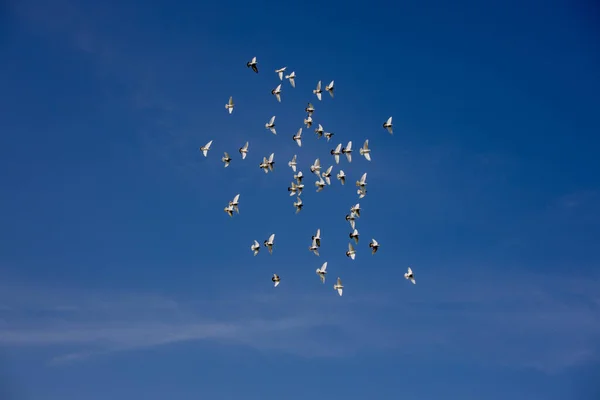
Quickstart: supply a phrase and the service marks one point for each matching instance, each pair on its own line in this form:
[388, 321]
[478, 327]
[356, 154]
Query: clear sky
[122, 278]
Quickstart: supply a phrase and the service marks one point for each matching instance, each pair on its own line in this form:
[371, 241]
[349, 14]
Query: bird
[318, 91]
[267, 164]
[299, 187]
[351, 252]
[235, 203]
[388, 125]
[253, 64]
[410, 276]
[320, 184]
[309, 109]
[341, 176]
[374, 245]
[229, 105]
[276, 279]
[308, 121]
[362, 192]
[322, 272]
[338, 286]
[277, 92]
[351, 219]
[314, 248]
[226, 159]
[336, 153]
[229, 210]
[280, 72]
[292, 163]
[293, 189]
[354, 235]
[348, 151]
[327, 175]
[317, 237]
[355, 209]
[244, 150]
[269, 243]
[316, 167]
[329, 88]
[298, 137]
[291, 77]
[328, 135]
[255, 247]
[204, 149]
[365, 151]
[298, 204]
[319, 131]
[298, 177]
[271, 125]
[363, 181]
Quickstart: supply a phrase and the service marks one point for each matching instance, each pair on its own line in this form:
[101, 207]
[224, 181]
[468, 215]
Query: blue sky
[121, 276]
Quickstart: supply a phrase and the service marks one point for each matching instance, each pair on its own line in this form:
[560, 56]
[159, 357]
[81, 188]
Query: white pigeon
[226, 159]
[293, 189]
[374, 245]
[388, 125]
[336, 153]
[229, 105]
[277, 92]
[316, 167]
[355, 209]
[292, 163]
[309, 109]
[269, 243]
[362, 192]
[317, 237]
[328, 135]
[327, 175]
[410, 276]
[280, 72]
[319, 131]
[255, 247]
[298, 137]
[318, 91]
[253, 64]
[299, 188]
[229, 210]
[351, 252]
[204, 149]
[320, 184]
[348, 151]
[291, 77]
[322, 272]
[363, 181]
[314, 248]
[298, 177]
[235, 203]
[354, 235]
[244, 150]
[275, 279]
[341, 176]
[298, 204]
[271, 125]
[338, 286]
[264, 165]
[365, 151]
[351, 219]
[329, 88]
[308, 121]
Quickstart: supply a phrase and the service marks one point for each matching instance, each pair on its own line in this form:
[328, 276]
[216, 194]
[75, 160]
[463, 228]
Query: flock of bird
[324, 177]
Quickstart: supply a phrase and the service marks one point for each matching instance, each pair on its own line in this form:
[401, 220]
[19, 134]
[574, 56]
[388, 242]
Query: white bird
[244, 150]
[292, 163]
[328, 135]
[410, 276]
[351, 252]
[269, 243]
[322, 272]
[355, 209]
[293, 189]
[329, 88]
[351, 219]
[255, 247]
[318, 91]
[365, 151]
[275, 279]
[204, 149]
[348, 151]
[309, 109]
[374, 246]
[362, 192]
[229, 210]
[299, 188]
[298, 177]
[308, 121]
[317, 237]
[277, 92]
[320, 184]
[291, 77]
[314, 248]
[338, 286]
[354, 235]
[336, 153]
[280, 72]
[363, 181]
[316, 167]
[388, 125]
[271, 125]
[229, 105]
[267, 164]
[341, 176]
[235, 203]
[298, 137]
[327, 175]
[298, 204]
[253, 64]
[226, 159]
[319, 131]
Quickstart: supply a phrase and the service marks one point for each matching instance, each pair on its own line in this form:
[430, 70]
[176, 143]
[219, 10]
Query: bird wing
[207, 147]
[272, 120]
[324, 267]
[366, 145]
[236, 198]
[271, 238]
[271, 158]
[349, 146]
[319, 87]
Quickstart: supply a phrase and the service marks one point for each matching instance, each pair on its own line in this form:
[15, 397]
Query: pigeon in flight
[269, 243]
[275, 279]
[354, 235]
[351, 219]
[341, 176]
[308, 121]
[280, 72]
[298, 204]
[410, 276]
[316, 167]
[327, 175]
[351, 252]
[271, 125]
[314, 248]
[277, 92]
[291, 77]
[244, 150]
[204, 149]
[309, 109]
[328, 135]
[235, 203]
[292, 163]
[355, 209]
[229, 105]
[318, 91]
[298, 137]
[338, 286]
[388, 125]
[365, 151]
[374, 246]
[348, 151]
[317, 237]
[329, 88]
[255, 247]
[319, 131]
[322, 272]
[253, 64]
[336, 153]
[226, 159]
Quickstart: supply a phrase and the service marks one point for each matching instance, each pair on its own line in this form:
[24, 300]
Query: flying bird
[235, 203]
[374, 246]
[204, 149]
[253, 64]
[322, 272]
[336, 153]
[351, 252]
[338, 286]
[298, 177]
[229, 105]
[308, 121]
[354, 235]
[275, 279]
[280, 72]
[318, 91]
[328, 135]
[355, 209]
[298, 204]
[320, 184]
[269, 243]
[327, 175]
[341, 176]
[316, 167]
[362, 192]
[309, 109]
[267, 164]
[226, 159]
[317, 237]
[388, 125]
[255, 247]
[292, 163]
[319, 131]
[329, 88]
[314, 248]
[410, 276]
[291, 77]
[271, 125]
[229, 210]
[277, 92]
[293, 189]
[351, 219]
[348, 151]
[363, 181]
[298, 137]
[244, 150]
[365, 151]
